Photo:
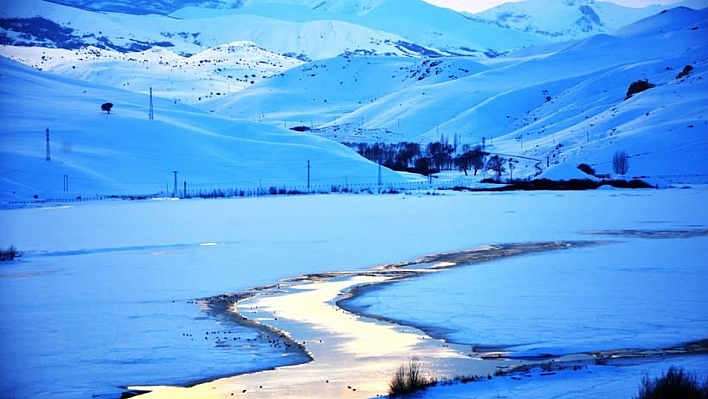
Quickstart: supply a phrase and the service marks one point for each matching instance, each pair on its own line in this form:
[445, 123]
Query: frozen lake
[107, 293]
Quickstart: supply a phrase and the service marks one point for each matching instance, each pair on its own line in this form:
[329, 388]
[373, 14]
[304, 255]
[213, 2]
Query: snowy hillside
[210, 73]
[558, 104]
[36, 22]
[125, 153]
[312, 31]
[417, 21]
[564, 20]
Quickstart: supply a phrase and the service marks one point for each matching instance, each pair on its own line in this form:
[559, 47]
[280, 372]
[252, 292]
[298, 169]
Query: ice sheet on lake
[634, 294]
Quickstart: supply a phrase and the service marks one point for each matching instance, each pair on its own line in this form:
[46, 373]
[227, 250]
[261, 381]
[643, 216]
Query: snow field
[107, 273]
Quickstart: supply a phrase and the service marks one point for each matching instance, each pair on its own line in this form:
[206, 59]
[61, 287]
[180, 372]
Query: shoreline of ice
[233, 305]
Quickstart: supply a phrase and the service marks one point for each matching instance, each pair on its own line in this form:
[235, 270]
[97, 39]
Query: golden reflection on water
[354, 357]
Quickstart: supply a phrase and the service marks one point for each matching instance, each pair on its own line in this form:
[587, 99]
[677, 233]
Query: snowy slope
[560, 103]
[36, 22]
[417, 21]
[564, 20]
[126, 153]
[335, 92]
[213, 72]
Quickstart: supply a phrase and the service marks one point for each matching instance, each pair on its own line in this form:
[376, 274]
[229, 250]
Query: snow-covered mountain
[39, 23]
[554, 104]
[570, 19]
[306, 30]
[211, 73]
[560, 104]
[564, 20]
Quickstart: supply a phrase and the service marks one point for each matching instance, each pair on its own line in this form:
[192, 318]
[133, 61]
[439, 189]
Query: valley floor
[107, 294]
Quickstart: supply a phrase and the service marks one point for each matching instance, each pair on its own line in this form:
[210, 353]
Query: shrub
[8, 254]
[301, 128]
[407, 379]
[675, 383]
[686, 70]
[638, 87]
[587, 169]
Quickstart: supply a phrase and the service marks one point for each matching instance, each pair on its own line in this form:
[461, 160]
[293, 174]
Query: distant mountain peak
[563, 20]
[143, 7]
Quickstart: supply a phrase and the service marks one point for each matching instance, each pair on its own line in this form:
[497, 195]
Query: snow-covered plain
[89, 307]
[106, 293]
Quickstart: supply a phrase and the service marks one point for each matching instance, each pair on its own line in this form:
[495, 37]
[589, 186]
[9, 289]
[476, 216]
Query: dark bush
[586, 169]
[686, 70]
[300, 129]
[638, 87]
[674, 384]
[8, 254]
[408, 379]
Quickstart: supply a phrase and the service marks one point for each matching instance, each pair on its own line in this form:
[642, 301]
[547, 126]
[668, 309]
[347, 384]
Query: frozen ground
[637, 294]
[617, 381]
[89, 307]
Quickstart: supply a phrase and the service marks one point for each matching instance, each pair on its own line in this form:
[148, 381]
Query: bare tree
[620, 163]
[471, 159]
[496, 163]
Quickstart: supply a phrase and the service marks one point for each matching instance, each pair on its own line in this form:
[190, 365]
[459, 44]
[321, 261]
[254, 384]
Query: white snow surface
[608, 297]
[618, 381]
[126, 153]
[102, 295]
[564, 20]
[555, 104]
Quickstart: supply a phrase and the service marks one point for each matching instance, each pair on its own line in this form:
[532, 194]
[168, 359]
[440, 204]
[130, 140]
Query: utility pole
[66, 182]
[174, 190]
[184, 192]
[308, 175]
[151, 114]
[380, 181]
[430, 172]
[48, 157]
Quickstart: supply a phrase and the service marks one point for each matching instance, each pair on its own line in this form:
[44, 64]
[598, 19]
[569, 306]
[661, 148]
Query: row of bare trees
[412, 157]
[433, 158]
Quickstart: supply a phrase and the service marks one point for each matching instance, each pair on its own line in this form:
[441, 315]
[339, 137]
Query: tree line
[434, 157]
